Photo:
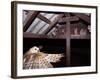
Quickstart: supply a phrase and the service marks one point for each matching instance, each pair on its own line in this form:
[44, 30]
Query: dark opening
[80, 52]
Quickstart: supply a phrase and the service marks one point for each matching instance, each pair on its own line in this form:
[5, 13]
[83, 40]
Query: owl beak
[38, 50]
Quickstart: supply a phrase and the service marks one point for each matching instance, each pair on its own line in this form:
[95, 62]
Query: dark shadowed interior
[64, 33]
[80, 50]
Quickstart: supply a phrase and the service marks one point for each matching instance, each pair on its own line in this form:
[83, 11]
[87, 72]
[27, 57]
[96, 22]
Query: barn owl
[34, 59]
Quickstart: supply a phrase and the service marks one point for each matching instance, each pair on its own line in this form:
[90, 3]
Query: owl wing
[35, 62]
[53, 57]
[43, 63]
[39, 63]
[28, 61]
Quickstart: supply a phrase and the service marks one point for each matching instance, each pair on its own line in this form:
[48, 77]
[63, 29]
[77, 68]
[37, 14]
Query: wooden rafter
[32, 35]
[30, 18]
[52, 25]
[84, 17]
[79, 25]
[73, 18]
[44, 25]
[40, 16]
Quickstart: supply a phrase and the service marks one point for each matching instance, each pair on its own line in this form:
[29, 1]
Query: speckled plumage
[34, 59]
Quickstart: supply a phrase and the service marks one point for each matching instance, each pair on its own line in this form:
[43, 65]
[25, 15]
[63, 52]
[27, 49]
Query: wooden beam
[84, 17]
[78, 25]
[30, 18]
[52, 25]
[68, 37]
[73, 37]
[32, 35]
[40, 16]
[73, 18]
[80, 37]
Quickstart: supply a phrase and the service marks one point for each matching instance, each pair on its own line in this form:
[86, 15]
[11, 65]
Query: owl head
[34, 49]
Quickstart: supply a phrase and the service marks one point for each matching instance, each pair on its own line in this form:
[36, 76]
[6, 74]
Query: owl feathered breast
[39, 60]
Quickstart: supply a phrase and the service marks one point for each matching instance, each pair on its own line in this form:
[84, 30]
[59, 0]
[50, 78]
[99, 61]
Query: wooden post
[68, 36]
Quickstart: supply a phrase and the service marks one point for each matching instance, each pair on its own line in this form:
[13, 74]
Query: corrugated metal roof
[39, 26]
